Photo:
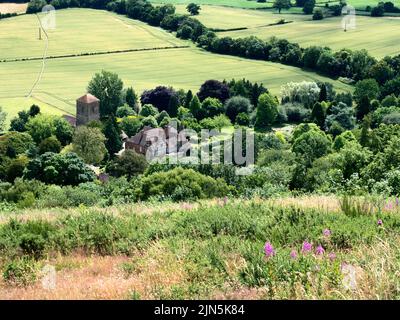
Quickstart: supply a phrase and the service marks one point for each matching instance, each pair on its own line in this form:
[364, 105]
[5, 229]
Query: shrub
[128, 164]
[181, 184]
[21, 272]
[62, 169]
[217, 122]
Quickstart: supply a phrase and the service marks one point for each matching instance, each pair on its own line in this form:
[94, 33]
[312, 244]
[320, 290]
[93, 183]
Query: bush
[61, 169]
[21, 272]
[181, 185]
[129, 164]
[318, 15]
[217, 122]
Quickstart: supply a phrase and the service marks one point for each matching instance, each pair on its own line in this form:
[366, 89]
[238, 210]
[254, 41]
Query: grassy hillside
[377, 35]
[203, 250]
[79, 31]
[65, 79]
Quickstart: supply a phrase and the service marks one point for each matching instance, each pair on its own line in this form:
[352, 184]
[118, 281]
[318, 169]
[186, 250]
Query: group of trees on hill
[340, 142]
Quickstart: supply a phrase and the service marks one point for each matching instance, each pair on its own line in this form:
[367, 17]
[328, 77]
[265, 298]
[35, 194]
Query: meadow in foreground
[219, 249]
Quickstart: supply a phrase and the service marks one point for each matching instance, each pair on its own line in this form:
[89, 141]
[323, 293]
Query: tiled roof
[88, 98]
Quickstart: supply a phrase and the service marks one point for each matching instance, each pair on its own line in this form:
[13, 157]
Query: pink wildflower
[380, 222]
[320, 250]
[307, 247]
[293, 254]
[327, 232]
[269, 250]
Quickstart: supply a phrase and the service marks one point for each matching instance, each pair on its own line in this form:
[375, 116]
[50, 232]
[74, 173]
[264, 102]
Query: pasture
[65, 79]
[377, 35]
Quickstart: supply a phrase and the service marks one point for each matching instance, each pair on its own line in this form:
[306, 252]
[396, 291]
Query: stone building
[87, 109]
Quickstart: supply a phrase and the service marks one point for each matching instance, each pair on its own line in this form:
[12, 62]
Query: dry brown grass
[13, 7]
[325, 203]
[82, 277]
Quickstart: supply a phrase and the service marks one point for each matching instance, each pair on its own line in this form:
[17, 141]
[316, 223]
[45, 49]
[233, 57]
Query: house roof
[88, 98]
[70, 119]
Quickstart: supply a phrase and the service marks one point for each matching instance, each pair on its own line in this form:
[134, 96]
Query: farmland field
[12, 7]
[253, 4]
[65, 79]
[75, 34]
[305, 31]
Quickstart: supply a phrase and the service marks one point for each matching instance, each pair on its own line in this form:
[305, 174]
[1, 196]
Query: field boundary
[74, 55]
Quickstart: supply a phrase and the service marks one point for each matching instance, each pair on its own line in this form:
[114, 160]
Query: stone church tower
[87, 109]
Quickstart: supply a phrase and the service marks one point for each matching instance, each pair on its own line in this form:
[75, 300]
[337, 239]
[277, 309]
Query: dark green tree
[112, 133]
[107, 87]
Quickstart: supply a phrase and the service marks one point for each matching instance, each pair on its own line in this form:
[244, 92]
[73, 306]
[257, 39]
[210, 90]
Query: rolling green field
[66, 79]
[228, 3]
[74, 34]
[227, 18]
[378, 35]
[253, 4]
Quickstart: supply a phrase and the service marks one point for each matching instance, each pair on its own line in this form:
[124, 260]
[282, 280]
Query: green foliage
[20, 272]
[236, 105]
[125, 111]
[88, 143]
[211, 107]
[112, 133]
[44, 126]
[181, 184]
[107, 87]
[129, 164]
[148, 110]
[193, 9]
[131, 125]
[50, 144]
[311, 145]
[343, 139]
[217, 122]
[15, 143]
[267, 111]
[60, 169]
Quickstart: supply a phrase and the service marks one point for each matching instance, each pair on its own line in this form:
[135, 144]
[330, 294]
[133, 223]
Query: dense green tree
[131, 125]
[267, 111]
[281, 4]
[62, 130]
[113, 139]
[195, 107]
[212, 107]
[131, 99]
[107, 87]
[124, 111]
[363, 107]
[309, 6]
[311, 145]
[236, 105]
[193, 9]
[16, 168]
[148, 110]
[366, 88]
[343, 139]
[88, 143]
[50, 144]
[60, 169]
[188, 99]
[318, 114]
[15, 143]
[129, 164]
